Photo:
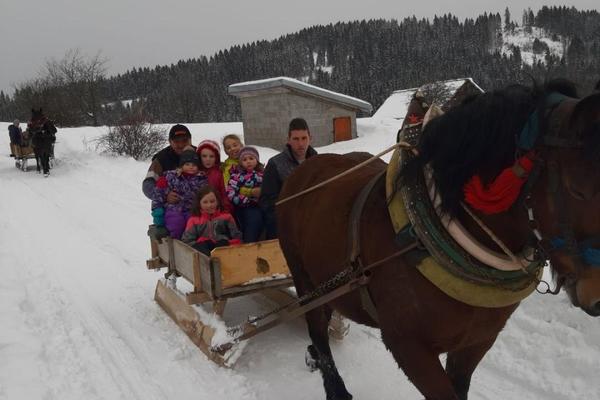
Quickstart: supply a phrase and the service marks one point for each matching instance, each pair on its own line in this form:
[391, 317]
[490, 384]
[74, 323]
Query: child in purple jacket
[248, 175]
[186, 182]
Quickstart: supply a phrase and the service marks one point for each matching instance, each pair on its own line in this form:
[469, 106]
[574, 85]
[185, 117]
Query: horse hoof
[342, 396]
[46, 175]
[311, 358]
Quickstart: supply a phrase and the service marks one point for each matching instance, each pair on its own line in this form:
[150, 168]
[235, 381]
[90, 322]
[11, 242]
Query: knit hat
[249, 150]
[178, 131]
[212, 145]
[189, 156]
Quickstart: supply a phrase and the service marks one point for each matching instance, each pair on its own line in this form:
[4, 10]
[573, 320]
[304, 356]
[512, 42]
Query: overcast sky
[134, 33]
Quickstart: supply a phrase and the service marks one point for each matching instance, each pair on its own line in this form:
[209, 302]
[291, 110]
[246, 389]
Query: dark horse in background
[418, 321]
[43, 135]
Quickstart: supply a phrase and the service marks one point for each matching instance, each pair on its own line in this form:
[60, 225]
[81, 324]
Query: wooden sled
[22, 154]
[230, 272]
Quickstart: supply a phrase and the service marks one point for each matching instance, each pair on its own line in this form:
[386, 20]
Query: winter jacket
[186, 186]
[15, 134]
[215, 179]
[243, 179]
[164, 160]
[213, 227]
[277, 171]
[226, 168]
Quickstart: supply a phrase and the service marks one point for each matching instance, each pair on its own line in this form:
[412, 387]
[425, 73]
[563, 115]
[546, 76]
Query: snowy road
[77, 319]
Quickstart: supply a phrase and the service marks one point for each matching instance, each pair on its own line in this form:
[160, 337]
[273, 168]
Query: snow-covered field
[77, 318]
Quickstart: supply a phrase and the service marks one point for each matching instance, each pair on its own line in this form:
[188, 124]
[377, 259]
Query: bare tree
[79, 78]
[133, 136]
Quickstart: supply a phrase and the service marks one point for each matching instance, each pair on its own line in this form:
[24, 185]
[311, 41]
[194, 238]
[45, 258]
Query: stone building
[269, 105]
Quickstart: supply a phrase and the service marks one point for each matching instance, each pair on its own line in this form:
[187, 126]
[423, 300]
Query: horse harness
[558, 110]
[356, 275]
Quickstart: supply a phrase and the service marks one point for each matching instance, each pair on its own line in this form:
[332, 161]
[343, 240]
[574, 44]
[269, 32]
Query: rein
[356, 167]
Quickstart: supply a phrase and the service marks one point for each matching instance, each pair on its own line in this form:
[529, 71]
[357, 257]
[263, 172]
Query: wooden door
[342, 129]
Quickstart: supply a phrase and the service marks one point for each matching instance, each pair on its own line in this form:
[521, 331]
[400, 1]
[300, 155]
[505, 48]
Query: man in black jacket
[14, 131]
[166, 160]
[280, 167]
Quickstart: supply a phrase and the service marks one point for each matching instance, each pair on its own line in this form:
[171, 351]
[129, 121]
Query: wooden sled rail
[230, 271]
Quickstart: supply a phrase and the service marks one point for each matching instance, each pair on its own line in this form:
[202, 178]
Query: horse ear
[33, 111]
[586, 112]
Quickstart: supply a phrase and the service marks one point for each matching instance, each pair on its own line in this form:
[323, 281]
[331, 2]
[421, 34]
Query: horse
[42, 132]
[417, 320]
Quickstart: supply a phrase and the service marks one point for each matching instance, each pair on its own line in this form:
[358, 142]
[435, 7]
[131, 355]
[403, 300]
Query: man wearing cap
[167, 159]
[280, 167]
[14, 131]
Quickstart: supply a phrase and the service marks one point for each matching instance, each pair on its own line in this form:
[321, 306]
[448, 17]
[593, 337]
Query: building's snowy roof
[282, 81]
[396, 105]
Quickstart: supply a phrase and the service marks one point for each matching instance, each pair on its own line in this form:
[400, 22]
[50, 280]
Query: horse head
[488, 135]
[37, 118]
[569, 201]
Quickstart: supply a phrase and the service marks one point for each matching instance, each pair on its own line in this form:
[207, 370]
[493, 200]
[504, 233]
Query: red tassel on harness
[501, 194]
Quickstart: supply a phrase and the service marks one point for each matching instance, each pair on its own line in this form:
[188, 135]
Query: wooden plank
[206, 278]
[253, 261]
[279, 295]
[163, 251]
[154, 262]
[256, 287]
[197, 297]
[187, 263]
[188, 320]
[218, 307]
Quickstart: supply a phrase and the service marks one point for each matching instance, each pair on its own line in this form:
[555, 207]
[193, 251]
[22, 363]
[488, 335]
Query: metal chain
[334, 282]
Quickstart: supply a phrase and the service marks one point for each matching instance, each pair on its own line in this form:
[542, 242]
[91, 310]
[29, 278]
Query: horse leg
[460, 365]
[420, 364]
[318, 330]
[46, 162]
[38, 161]
[317, 321]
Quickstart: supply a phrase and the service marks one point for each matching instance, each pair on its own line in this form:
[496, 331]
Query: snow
[78, 320]
[396, 105]
[525, 41]
[298, 85]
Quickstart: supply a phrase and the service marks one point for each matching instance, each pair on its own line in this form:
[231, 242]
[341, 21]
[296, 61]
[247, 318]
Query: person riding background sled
[15, 132]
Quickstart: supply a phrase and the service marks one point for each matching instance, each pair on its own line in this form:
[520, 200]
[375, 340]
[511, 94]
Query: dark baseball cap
[179, 131]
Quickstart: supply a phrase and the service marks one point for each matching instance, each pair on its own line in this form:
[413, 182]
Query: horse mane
[477, 137]
[590, 133]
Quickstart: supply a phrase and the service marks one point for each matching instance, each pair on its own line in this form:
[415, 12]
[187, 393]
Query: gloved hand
[157, 232]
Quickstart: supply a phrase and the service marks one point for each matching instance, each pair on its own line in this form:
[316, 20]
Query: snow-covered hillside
[525, 41]
[77, 318]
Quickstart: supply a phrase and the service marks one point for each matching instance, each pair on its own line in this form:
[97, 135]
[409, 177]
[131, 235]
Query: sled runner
[229, 272]
[22, 155]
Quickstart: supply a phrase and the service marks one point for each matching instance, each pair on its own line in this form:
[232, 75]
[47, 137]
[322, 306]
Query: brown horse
[418, 321]
[43, 135]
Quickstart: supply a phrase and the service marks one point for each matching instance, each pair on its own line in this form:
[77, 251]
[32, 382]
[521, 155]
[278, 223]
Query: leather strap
[354, 239]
